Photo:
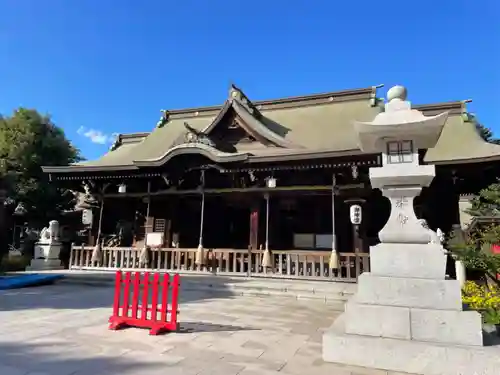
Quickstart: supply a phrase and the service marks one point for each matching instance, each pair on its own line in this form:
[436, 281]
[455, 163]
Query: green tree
[29, 140]
[487, 202]
[475, 250]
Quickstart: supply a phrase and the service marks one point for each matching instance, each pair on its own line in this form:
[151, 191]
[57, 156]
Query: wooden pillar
[254, 227]
[357, 236]
[357, 233]
[266, 196]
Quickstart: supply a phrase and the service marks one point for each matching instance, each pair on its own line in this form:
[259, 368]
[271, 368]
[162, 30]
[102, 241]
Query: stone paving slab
[62, 330]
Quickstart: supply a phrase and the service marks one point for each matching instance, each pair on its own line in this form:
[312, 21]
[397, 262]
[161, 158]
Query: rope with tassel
[144, 256]
[200, 253]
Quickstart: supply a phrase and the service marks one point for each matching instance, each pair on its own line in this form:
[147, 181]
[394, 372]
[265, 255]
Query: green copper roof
[460, 142]
[299, 127]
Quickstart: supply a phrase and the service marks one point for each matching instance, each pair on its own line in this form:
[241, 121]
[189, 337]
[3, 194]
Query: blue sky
[108, 66]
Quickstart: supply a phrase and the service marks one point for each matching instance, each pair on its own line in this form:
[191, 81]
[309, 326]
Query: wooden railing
[292, 264]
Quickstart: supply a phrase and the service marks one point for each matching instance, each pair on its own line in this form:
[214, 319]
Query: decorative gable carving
[238, 122]
[231, 131]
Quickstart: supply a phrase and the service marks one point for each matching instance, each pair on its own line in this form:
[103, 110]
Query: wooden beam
[299, 188]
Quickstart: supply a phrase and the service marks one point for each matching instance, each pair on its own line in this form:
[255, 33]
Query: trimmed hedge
[13, 264]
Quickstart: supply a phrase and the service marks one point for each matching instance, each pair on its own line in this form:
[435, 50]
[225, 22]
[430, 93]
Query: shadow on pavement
[46, 358]
[198, 327]
[76, 295]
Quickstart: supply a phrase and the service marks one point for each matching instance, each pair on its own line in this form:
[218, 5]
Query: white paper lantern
[271, 182]
[122, 188]
[355, 214]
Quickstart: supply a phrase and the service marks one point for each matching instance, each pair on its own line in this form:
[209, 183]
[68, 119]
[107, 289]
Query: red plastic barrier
[495, 249]
[160, 316]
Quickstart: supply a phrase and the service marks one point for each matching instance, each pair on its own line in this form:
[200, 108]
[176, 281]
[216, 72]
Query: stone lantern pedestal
[405, 315]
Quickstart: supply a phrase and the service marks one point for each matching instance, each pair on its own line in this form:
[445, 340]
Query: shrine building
[280, 175]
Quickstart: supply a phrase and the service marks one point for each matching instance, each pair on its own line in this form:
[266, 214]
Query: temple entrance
[227, 222]
[302, 222]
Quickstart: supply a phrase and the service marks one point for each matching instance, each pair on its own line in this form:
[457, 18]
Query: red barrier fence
[160, 316]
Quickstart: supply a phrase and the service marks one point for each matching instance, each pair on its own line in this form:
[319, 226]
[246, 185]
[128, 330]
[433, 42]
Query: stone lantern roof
[399, 121]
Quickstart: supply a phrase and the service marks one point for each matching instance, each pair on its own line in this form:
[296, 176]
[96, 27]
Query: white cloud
[96, 136]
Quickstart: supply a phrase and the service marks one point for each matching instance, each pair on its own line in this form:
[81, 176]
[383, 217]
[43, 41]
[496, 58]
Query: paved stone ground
[62, 329]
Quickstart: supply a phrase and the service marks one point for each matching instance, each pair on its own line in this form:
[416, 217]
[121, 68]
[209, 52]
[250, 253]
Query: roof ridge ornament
[165, 116]
[117, 142]
[236, 94]
[193, 135]
[374, 99]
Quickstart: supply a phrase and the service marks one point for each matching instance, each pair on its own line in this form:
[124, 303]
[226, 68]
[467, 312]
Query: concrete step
[327, 291]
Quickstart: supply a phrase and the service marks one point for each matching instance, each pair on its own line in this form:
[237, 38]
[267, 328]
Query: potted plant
[491, 316]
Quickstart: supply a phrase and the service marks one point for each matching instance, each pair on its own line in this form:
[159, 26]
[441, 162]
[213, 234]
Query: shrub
[13, 264]
[483, 298]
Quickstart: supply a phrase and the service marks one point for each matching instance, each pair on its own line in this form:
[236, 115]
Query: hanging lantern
[271, 182]
[122, 188]
[355, 214]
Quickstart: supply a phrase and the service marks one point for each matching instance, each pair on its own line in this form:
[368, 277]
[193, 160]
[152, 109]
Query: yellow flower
[481, 297]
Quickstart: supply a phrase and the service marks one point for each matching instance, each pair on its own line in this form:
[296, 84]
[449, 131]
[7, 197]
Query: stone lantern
[404, 308]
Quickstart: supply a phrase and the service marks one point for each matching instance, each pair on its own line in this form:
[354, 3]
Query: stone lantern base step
[45, 265]
[415, 357]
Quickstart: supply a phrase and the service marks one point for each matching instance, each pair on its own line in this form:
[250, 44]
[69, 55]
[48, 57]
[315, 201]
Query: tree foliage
[29, 140]
[487, 202]
[475, 250]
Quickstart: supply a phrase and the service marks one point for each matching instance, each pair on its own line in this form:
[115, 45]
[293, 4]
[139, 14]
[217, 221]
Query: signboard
[155, 239]
[303, 240]
[324, 241]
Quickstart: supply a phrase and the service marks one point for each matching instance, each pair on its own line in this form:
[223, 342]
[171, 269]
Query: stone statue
[54, 230]
[50, 233]
[440, 235]
[436, 237]
[44, 235]
[47, 249]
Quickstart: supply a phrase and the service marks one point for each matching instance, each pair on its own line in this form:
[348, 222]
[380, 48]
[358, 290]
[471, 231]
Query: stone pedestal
[46, 257]
[406, 317]
[407, 297]
[407, 356]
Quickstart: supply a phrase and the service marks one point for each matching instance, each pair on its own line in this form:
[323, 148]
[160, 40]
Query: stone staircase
[334, 293]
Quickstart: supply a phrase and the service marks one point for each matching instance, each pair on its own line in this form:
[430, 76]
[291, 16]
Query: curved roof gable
[250, 120]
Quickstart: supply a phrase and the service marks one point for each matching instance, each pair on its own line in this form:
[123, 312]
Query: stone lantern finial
[397, 92]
